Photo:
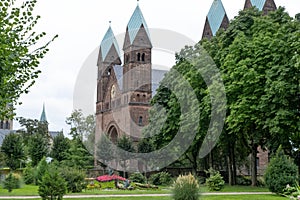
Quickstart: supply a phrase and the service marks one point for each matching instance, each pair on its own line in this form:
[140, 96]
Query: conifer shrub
[280, 172]
[11, 182]
[215, 180]
[161, 178]
[137, 178]
[74, 178]
[186, 188]
[52, 186]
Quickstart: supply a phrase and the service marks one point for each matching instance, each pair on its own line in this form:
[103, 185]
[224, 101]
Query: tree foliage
[13, 149]
[281, 172]
[61, 145]
[19, 56]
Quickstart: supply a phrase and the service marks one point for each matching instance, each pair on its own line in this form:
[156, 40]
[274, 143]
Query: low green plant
[28, 174]
[280, 172]
[186, 188]
[107, 185]
[137, 177]
[215, 180]
[161, 178]
[11, 182]
[74, 178]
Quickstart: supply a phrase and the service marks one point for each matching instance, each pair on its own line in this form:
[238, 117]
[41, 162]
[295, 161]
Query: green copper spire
[43, 115]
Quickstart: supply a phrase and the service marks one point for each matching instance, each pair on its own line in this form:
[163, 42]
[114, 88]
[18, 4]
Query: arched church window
[140, 121]
[138, 57]
[143, 57]
[7, 125]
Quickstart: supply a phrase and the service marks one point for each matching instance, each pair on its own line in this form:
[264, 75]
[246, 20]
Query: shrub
[11, 182]
[28, 175]
[215, 181]
[280, 172]
[137, 177]
[52, 186]
[161, 178]
[243, 180]
[40, 170]
[107, 185]
[74, 178]
[186, 188]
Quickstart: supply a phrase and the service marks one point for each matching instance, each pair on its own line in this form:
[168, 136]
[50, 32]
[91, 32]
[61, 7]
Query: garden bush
[243, 180]
[12, 181]
[28, 174]
[52, 186]
[280, 172]
[186, 188]
[138, 178]
[74, 178]
[215, 181]
[161, 178]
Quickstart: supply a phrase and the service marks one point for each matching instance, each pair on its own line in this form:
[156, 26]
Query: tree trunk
[229, 170]
[253, 165]
[233, 166]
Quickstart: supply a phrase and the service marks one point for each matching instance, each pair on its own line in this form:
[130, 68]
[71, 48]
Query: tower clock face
[113, 91]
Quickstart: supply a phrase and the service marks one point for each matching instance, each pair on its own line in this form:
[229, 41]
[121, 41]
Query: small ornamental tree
[215, 180]
[280, 172]
[11, 182]
[186, 188]
[52, 186]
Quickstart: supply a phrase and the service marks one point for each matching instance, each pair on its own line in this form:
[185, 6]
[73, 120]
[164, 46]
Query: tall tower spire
[262, 5]
[215, 19]
[43, 117]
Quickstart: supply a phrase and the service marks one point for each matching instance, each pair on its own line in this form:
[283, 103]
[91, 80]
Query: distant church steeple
[262, 5]
[43, 117]
[215, 19]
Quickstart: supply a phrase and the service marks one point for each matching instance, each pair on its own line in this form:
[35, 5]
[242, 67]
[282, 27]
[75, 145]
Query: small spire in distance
[109, 23]
[138, 2]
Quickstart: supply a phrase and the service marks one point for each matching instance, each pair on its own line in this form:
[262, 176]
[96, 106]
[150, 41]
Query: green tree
[11, 182]
[280, 172]
[61, 145]
[52, 186]
[40, 170]
[81, 126]
[104, 149]
[20, 56]
[37, 148]
[13, 149]
[126, 147]
[259, 58]
[78, 156]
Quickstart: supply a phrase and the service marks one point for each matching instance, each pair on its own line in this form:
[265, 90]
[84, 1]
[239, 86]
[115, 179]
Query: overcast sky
[81, 25]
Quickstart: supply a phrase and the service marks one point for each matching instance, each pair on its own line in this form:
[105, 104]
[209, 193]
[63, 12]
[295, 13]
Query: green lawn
[231, 197]
[28, 190]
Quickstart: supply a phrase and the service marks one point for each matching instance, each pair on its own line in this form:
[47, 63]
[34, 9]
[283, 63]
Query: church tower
[263, 5]
[137, 73]
[216, 19]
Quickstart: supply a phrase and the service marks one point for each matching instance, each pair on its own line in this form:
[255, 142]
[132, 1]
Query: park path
[134, 195]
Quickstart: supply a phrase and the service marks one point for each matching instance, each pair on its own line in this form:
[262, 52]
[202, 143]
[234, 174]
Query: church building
[124, 91]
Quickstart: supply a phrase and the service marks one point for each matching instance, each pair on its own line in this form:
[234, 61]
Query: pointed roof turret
[262, 5]
[216, 19]
[136, 21]
[109, 41]
[43, 117]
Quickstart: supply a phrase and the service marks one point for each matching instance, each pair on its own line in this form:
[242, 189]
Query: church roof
[136, 21]
[157, 76]
[43, 117]
[258, 3]
[108, 41]
[216, 15]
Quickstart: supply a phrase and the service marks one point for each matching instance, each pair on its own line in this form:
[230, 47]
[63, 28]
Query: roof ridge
[136, 21]
[108, 40]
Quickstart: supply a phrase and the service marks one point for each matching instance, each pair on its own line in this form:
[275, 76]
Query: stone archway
[113, 134]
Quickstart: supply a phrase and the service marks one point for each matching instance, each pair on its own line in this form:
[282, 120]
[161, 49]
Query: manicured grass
[231, 197]
[26, 190]
[29, 190]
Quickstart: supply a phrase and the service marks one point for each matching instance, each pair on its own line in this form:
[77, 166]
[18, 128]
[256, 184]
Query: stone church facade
[124, 91]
